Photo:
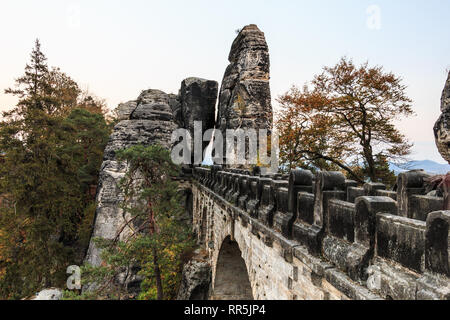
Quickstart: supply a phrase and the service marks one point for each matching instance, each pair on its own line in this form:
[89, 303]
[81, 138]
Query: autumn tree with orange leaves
[345, 121]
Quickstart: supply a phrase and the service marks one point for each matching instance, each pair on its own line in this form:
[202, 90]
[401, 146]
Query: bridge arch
[231, 280]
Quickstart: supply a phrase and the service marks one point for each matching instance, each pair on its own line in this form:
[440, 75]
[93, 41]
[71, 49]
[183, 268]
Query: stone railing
[394, 243]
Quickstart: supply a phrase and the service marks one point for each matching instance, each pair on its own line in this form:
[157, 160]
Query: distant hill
[427, 165]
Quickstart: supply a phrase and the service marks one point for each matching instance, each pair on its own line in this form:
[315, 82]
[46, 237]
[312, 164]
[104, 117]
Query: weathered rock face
[196, 279]
[48, 294]
[124, 110]
[150, 122]
[196, 101]
[245, 100]
[442, 126]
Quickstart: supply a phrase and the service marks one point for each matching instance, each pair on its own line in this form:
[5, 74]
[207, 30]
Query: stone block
[401, 240]
[420, 206]
[437, 239]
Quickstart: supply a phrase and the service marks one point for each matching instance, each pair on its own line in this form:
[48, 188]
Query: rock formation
[196, 278]
[442, 126]
[150, 122]
[124, 110]
[150, 119]
[51, 294]
[442, 137]
[244, 100]
[194, 95]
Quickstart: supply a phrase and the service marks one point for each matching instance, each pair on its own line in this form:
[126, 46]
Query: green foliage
[90, 133]
[153, 239]
[52, 153]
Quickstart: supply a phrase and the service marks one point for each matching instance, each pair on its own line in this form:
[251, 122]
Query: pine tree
[154, 236]
[52, 153]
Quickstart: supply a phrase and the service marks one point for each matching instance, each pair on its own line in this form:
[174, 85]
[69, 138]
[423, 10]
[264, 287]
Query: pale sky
[118, 48]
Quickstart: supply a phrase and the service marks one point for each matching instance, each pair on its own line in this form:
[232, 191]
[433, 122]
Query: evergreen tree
[51, 154]
[154, 236]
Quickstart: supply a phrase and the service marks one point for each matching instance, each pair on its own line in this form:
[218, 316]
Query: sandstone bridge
[320, 237]
[300, 236]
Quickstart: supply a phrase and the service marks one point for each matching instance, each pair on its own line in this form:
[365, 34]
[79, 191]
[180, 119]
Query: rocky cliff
[150, 121]
[196, 278]
[442, 126]
[194, 95]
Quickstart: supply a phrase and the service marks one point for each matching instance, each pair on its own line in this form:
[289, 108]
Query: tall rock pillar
[442, 137]
[442, 126]
[244, 99]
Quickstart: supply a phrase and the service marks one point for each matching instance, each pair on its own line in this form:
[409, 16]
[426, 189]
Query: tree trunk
[159, 287]
[368, 154]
